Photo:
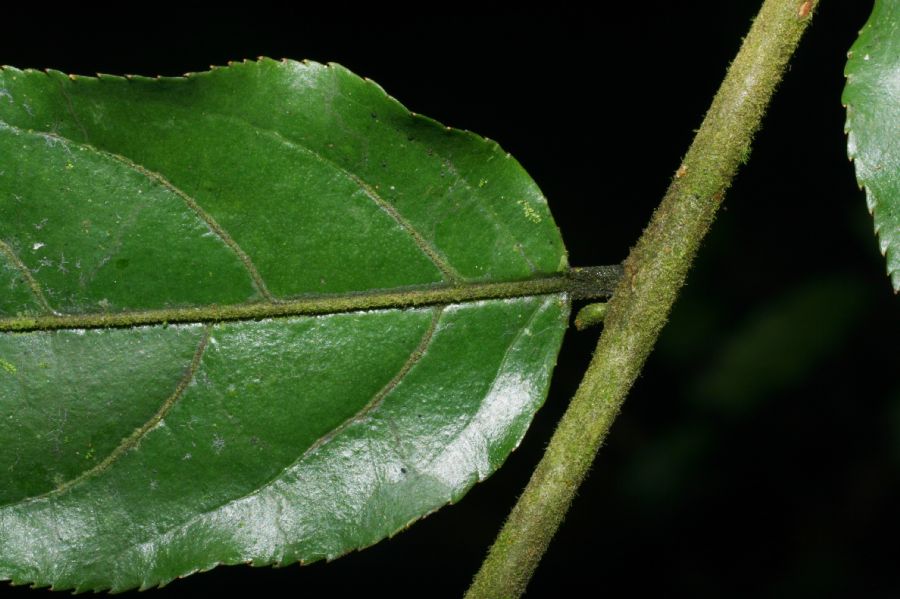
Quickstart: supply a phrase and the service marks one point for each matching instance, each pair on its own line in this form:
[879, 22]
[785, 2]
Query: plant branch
[654, 272]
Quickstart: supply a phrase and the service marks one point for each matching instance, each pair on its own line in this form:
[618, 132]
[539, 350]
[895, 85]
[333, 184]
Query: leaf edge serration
[479, 477]
[874, 203]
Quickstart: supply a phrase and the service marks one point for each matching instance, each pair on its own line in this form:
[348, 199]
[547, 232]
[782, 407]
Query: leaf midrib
[430, 295]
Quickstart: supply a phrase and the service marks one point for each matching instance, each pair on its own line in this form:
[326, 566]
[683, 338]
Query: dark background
[759, 453]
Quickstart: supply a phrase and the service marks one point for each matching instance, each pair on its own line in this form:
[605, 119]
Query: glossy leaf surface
[150, 450]
[872, 98]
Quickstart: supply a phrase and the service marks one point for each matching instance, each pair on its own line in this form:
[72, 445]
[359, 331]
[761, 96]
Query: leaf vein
[133, 440]
[540, 309]
[33, 284]
[414, 297]
[377, 399]
[190, 202]
[71, 109]
[424, 245]
[207, 218]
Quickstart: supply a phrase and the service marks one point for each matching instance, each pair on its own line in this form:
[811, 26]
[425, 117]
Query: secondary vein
[134, 439]
[376, 400]
[36, 289]
[417, 354]
[189, 201]
[449, 273]
[211, 222]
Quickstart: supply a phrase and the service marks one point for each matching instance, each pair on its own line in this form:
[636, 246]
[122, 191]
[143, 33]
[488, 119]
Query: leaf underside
[138, 454]
[872, 98]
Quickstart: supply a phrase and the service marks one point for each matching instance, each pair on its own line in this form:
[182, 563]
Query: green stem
[654, 272]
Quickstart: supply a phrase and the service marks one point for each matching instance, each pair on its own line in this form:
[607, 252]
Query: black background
[759, 453]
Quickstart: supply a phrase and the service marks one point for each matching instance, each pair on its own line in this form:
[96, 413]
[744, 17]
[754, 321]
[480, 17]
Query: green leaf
[239, 319]
[872, 98]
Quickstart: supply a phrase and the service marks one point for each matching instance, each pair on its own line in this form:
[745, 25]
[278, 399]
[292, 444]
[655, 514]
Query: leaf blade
[872, 99]
[273, 436]
[437, 196]
[344, 459]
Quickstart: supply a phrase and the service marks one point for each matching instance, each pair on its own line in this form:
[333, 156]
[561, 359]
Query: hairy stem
[654, 272]
[591, 315]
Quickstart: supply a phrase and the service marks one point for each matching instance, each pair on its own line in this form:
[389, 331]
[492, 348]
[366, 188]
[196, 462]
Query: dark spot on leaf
[403, 470]
[122, 263]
